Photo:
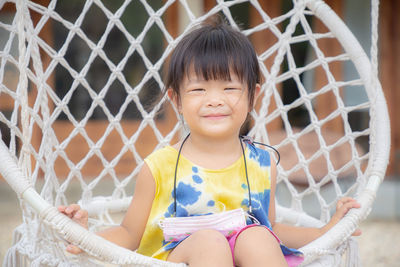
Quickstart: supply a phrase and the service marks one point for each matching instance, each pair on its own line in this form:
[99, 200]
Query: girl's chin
[219, 133]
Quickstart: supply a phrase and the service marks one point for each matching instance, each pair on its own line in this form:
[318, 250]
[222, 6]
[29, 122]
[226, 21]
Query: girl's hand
[80, 216]
[342, 207]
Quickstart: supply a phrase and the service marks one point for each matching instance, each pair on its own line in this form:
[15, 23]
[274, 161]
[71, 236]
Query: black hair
[213, 50]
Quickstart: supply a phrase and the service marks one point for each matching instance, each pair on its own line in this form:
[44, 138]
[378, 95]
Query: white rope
[22, 90]
[374, 38]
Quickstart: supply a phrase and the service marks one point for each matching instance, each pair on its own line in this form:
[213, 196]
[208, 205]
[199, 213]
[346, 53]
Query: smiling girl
[213, 79]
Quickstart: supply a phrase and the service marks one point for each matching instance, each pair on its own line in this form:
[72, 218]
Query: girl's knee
[203, 245]
[257, 244]
[259, 233]
[210, 238]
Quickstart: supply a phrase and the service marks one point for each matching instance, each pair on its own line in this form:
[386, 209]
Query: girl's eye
[231, 89]
[197, 90]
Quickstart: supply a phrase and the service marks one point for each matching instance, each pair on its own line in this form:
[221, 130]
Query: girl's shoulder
[162, 154]
[161, 160]
[261, 155]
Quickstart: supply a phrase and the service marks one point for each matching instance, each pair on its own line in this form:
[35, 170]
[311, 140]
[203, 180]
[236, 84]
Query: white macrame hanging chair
[40, 239]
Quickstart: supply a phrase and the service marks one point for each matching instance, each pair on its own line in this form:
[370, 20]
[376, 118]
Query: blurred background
[381, 230]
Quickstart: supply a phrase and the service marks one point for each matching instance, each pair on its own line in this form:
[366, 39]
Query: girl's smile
[216, 116]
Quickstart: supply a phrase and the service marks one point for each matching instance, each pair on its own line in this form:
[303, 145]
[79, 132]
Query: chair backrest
[78, 83]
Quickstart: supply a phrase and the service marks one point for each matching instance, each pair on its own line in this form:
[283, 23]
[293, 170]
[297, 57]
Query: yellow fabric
[202, 191]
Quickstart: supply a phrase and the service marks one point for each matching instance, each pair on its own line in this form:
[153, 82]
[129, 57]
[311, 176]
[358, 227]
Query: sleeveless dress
[203, 191]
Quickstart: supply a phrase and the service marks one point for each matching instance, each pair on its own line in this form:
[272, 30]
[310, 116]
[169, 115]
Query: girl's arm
[130, 232]
[296, 237]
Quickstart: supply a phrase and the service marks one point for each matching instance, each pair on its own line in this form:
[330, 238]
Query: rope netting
[79, 82]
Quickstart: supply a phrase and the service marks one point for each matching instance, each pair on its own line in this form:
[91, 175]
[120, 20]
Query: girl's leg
[256, 246]
[203, 248]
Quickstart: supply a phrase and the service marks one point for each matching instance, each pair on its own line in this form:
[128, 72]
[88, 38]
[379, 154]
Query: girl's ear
[174, 98]
[257, 92]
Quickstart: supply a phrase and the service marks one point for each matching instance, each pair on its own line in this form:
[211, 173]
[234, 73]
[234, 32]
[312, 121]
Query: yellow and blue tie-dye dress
[203, 191]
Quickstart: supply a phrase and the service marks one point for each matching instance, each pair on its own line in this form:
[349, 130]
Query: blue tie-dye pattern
[260, 204]
[180, 211]
[197, 179]
[186, 194]
[211, 203]
[259, 155]
[289, 251]
[169, 245]
[169, 211]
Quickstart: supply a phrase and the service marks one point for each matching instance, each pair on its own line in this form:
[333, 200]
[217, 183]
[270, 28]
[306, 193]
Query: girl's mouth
[216, 116]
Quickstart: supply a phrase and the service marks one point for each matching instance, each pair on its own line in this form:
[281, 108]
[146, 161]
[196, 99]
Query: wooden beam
[389, 71]
[208, 5]
[172, 19]
[8, 7]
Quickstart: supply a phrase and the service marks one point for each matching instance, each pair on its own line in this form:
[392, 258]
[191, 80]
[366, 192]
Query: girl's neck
[212, 153]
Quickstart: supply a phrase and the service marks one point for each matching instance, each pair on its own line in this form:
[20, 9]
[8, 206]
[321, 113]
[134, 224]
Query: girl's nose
[215, 98]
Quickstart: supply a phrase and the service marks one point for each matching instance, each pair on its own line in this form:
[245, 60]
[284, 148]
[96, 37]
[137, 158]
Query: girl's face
[213, 108]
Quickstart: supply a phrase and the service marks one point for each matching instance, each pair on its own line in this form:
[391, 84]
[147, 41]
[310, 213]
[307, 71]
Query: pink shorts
[292, 260]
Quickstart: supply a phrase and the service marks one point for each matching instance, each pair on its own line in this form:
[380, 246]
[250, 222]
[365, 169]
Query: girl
[213, 80]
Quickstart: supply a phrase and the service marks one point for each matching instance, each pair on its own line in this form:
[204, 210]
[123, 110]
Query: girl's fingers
[72, 209]
[342, 211]
[65, 210]
[80, 216]
[343, 201]
[73, 249]
[347, 203]
[357, 232]
[343, 206]
[75, 212]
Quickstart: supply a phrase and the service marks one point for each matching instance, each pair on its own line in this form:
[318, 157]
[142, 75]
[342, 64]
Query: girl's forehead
[192, 76]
